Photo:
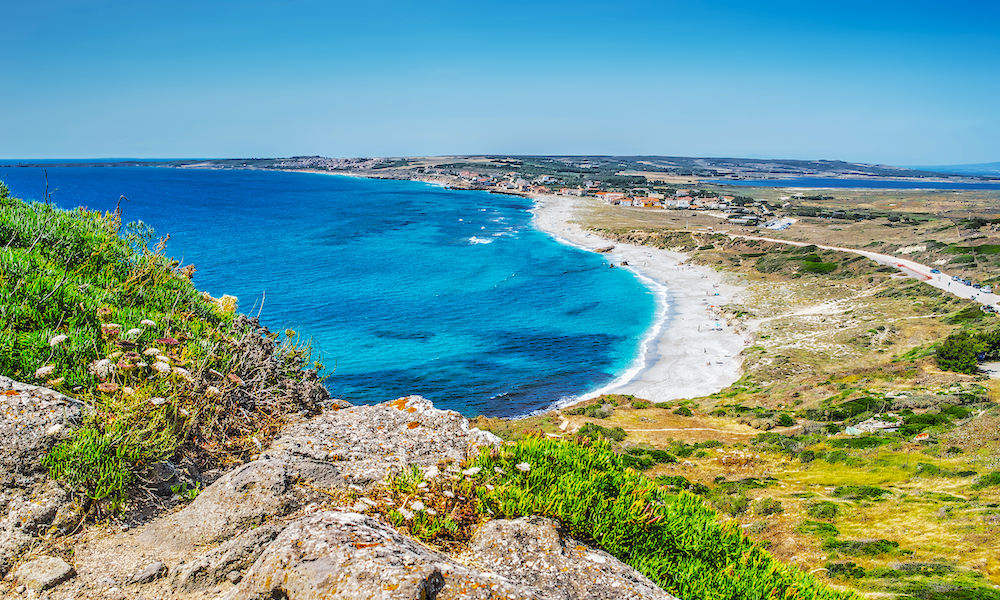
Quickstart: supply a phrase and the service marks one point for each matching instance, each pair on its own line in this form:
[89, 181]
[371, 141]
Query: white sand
[682, 355]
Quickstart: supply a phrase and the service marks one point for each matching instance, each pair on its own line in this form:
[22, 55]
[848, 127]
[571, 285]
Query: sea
[401, 287]
[866, 183]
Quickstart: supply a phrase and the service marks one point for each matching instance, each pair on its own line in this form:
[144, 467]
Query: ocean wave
[479, 240]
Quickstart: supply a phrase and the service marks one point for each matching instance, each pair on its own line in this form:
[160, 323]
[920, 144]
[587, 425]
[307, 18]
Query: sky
[904, 83]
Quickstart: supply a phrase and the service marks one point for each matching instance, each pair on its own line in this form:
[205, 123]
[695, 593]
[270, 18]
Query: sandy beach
[689, 351]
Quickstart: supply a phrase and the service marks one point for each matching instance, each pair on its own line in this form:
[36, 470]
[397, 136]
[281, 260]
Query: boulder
[359, 446]
[43, 573]
[533, 552]
[32, 420]
[351, 556]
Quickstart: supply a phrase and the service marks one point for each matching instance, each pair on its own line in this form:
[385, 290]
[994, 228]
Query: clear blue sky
[895, 82]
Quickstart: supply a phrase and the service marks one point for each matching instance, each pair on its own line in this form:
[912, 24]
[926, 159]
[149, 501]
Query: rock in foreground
[266, 529]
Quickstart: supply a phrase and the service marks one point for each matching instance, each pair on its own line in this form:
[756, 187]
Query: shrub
[860, 492]
[594, 432]
[819, 268]
[768, 506]
[861, 547]
[786, 420]
[988, 480]
[683, 411]
[824, 509]
[844, 570]
[675, 540]
[807, 456]
[818, 528]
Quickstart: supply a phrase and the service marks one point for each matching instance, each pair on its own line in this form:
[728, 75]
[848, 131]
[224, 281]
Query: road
[942, 281]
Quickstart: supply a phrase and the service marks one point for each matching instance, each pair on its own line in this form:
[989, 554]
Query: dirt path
[942, 281]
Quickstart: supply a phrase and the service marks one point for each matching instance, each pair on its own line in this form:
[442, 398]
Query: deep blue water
[882, 184]
[404, 288]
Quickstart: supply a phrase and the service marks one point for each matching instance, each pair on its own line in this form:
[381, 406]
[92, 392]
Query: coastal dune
[689, 350]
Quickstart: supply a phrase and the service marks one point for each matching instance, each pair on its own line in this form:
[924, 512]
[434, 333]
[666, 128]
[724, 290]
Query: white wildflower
[417, 505]
[431, 472]
[448, 494]
[184, 412]
[128, 391]
[134, 332]
[152, 351]
[523, 467]
[161, 367]
[163, 358]
[147, 323]
[489, 487]
[471, 471]
[57, 339]
[184, 373]
[498, 470]
[142, 365]
[422, 485]
[406, 514]
[431, 512]
[45, 371]
[157, 401]
[102, 368]
[212, 391]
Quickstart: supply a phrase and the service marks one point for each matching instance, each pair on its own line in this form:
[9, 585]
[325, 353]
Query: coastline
[687, 351]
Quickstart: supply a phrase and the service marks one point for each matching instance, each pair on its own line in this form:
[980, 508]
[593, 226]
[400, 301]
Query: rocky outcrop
[32, 420]
[268, 529]
[357, 446]
[351, 556]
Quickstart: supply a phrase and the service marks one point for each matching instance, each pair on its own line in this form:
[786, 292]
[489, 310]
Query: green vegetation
[823, 509]
[594, 431]
[87, 308]
[675, 540]
[961, 351]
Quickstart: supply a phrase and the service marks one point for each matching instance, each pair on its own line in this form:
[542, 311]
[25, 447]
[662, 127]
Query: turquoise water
[404, 288]
[881, 184]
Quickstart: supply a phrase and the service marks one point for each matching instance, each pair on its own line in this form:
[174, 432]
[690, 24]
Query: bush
[807, 456]
[683, 411]
[594, 432]
[594, 411]
[818, 528]
[675, 540]
[844, 570]
[768, 506]
[823, 509]
[860, 492]
[988, 480]
[819, 268]
[786, 420]
[861, 547]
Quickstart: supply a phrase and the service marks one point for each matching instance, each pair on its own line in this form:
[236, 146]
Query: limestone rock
[32, 420]
[533, 552]
[361, 445]
[227, 560]
[350, 556]
[43, 573]
[153, 570]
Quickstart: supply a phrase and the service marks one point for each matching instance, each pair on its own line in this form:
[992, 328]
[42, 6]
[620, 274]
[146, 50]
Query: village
[736, 210]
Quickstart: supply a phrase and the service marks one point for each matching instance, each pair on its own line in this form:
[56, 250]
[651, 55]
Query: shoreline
[688, 351]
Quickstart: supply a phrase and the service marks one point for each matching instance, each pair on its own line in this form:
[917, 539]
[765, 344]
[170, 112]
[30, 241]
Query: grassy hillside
[88, 308]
